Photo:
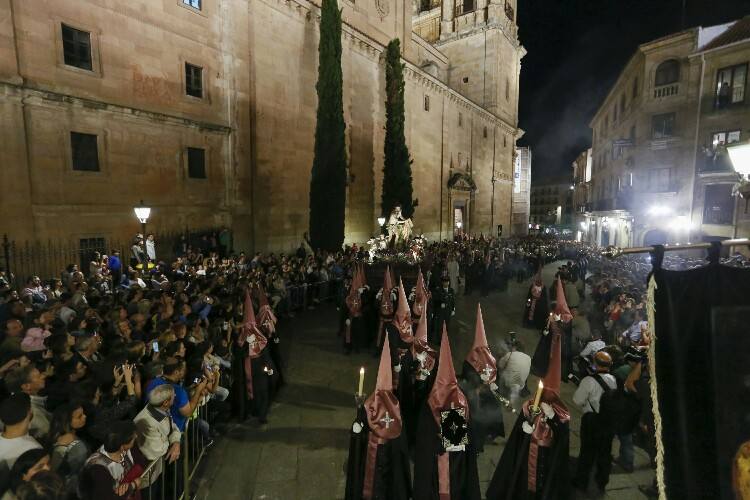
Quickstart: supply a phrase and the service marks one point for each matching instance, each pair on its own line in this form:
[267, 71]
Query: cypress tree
[397, 186]
[328, 181]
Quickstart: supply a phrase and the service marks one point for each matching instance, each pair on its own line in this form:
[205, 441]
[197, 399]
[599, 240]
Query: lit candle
[538, 395]
[361, 380]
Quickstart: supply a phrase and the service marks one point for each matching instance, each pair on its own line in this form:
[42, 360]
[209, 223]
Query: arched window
[667, 72]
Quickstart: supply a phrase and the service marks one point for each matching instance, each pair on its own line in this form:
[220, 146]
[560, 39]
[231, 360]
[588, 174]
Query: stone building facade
[205, 109]
[521, 192]
[551, 204]
[660, 172]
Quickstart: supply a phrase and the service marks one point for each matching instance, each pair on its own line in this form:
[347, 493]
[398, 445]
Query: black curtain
[702, 353]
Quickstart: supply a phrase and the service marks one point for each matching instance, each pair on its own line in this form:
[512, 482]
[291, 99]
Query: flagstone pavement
[301, 453]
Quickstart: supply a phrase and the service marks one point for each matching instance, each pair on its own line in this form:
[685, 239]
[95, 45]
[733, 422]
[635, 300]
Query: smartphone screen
[155, 346]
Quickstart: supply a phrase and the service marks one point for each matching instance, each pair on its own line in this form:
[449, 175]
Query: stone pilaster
[446, 23]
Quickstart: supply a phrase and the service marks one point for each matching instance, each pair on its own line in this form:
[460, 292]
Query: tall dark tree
[397, 166]
[328, 182]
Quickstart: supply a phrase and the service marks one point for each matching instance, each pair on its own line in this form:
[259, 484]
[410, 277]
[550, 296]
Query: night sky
[576, 50]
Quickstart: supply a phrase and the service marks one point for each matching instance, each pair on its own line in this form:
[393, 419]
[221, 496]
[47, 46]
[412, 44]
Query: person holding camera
[183, 405]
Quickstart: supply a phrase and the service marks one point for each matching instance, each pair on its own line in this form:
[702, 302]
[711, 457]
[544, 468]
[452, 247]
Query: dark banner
[702, 363]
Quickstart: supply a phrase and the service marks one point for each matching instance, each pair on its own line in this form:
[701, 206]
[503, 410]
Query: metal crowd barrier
[173, 482]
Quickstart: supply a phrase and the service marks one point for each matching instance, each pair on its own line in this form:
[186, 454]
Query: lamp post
[142, 212]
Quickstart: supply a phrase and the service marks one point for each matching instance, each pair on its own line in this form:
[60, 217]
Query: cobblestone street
[301, 453]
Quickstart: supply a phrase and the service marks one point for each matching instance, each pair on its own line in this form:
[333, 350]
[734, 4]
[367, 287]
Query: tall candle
[361, 380]
[538, 395]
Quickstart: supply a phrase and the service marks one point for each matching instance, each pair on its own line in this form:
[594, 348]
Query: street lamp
[142, 212]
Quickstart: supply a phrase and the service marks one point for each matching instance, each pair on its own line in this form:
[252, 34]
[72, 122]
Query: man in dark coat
[378, 465]
[445, 466]
[444, 307]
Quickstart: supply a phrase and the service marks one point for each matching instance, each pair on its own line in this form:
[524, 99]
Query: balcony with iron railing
[714, 160]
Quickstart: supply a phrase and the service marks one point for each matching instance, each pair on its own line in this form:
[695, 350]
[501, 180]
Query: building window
[484, 132]
[614, 114]
[606, 123]
[76, 47]
[460, 120]
[662, 126]
[635, 87]
[509, 13]
[730, 85]
[622, 104]
[84, 152]
[507, 89]
[659, 180]
[196, 4]
[505, 141]
[426, 103]
[667, 72]
[196, 160]
[632, 135]
[465, 79]
[194, 80]
[718, 207]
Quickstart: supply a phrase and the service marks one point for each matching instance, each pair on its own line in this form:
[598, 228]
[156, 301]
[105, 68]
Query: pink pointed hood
[402, 319]
[421, 350]
[256, 341]
[386, 304]
[445, 393]
[480, 357]
[266, 318]
[561, 305]
[421, 296]
[382, 408]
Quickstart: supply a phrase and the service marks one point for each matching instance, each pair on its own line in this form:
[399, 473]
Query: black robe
[540, 359]
[274, 350]
[485, 410]
[392, 479]
[541, 310]
[464, 475]
[510, 480]
[264, 385]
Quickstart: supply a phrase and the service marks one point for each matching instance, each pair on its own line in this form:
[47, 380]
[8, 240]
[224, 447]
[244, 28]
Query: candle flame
[362, 370]
[541, 385]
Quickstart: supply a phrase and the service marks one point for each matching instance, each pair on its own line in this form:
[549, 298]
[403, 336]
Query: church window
[507, 89]
[466, 79]
[196, 4]
[635, 87]
[196, 163]
[76, 47]
[505, 141]
[193, 80]
[84, 152]
[484, 132]
[426, 103]
[622, 104]
[460, 119]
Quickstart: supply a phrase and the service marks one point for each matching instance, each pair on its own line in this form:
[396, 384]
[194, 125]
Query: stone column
[446, 24]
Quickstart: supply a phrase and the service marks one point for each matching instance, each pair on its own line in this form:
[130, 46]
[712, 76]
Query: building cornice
[31, 95]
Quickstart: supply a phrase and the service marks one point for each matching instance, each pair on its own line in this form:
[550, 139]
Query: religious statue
[399, 229]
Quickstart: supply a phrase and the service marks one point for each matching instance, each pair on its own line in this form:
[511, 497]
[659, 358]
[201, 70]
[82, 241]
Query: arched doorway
[655, 237]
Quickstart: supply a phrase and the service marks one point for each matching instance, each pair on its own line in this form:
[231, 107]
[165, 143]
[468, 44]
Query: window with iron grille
[193, 80]
[84, 152]
[76, 47]
[196, 4]
[196, 160]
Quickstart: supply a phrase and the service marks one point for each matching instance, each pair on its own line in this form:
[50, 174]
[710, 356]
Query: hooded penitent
[421, 296]
[386, 304]
[450, 409]
[383, 417]
[480, 357]
[256, 341]
[537, 288]
[402, 318]
[266, 318]
[354, 303]
[422, 352]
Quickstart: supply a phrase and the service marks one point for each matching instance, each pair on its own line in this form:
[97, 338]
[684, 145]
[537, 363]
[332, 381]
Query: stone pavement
[301, 452]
